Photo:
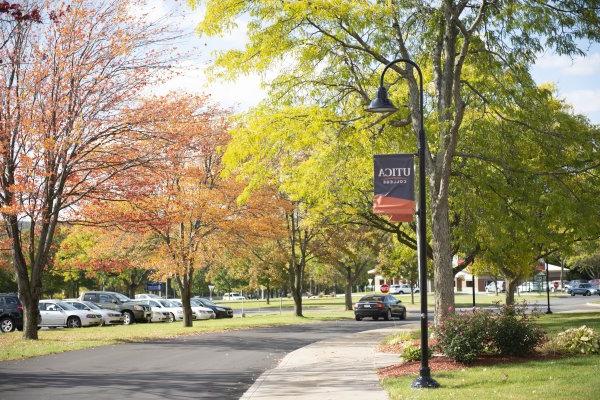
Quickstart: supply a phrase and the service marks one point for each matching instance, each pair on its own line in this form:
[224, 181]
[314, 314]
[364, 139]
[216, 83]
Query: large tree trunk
[268, 294]
[511, 288]
[442, 261]
[29, 300]
[349, 283]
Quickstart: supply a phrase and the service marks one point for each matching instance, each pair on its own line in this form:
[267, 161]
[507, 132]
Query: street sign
[384, 288]
[154, 286]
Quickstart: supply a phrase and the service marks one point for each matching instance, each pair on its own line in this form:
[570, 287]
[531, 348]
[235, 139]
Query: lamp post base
[548, 312]
[424, 383]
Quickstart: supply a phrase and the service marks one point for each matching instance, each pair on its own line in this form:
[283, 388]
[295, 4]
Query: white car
[233, 296]
[200, 312]
[56, 313]
[402, 289]
[108, 316]
[146, 296]
[171, 311]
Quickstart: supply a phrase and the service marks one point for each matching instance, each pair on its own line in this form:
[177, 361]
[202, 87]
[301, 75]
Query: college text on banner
[394, 186]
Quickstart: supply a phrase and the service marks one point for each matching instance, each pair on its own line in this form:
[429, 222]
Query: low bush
[582, 340]
[514, 333]
[464, 336]
[400, 337]
[412, 352]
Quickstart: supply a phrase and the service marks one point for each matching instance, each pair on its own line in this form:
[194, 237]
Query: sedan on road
[379, 306]
[56, 313]
[584, 288]
[109, 317]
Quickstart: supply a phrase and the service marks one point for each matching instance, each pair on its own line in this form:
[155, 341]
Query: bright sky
[577, 79]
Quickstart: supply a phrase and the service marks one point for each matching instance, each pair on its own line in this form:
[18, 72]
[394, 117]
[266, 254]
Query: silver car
[109, 317]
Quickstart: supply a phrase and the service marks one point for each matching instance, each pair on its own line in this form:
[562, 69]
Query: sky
[577, 79]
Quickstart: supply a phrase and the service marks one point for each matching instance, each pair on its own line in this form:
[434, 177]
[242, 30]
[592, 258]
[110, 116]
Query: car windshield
[122, 298]
[372, 298]
[65, 306]
[206, 301]
[168, 303]
[91, 305]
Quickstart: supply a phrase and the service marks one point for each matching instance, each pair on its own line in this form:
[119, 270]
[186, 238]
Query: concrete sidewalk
[340, 368]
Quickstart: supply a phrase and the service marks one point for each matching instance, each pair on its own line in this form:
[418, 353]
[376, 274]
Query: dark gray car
[131, 310]
[379, 306]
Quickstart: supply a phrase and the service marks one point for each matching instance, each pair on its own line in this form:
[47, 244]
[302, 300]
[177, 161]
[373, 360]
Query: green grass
[462, 300]
[566, 378]
[59, 340]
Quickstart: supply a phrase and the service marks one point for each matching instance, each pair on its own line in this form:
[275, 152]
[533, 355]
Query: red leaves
[16, 11]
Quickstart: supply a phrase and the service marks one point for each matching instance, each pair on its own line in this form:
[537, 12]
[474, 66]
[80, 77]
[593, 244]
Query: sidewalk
[340, 368]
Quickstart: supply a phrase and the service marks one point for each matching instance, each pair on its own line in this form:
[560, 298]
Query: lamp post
[382, 104]
[548, 311]
[473, 279]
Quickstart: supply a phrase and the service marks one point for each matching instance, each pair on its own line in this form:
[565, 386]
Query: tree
[179, 196]
[338, 49]
[400, 261]
[63, 84]
[351, 251]
[586, 259]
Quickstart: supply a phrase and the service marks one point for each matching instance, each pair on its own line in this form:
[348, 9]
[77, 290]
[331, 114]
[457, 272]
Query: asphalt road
[210, 366]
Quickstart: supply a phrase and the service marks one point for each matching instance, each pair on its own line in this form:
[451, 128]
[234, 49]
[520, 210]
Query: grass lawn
[59, 340]
[566, 378]
[462, 300]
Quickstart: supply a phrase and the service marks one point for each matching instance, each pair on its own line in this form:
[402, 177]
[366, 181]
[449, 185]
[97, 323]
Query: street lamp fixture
[382, 104]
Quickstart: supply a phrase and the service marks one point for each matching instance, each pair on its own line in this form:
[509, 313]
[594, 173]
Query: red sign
[384, 288]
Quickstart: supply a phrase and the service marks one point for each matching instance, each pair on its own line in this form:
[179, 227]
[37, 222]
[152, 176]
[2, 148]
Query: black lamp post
[382, 104]
[548, 311]
[473, 279]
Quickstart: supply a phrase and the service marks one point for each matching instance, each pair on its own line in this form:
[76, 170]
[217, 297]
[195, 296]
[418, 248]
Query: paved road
[210, 366]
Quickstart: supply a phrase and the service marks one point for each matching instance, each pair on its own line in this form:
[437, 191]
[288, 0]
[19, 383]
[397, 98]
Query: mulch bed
[442, 363]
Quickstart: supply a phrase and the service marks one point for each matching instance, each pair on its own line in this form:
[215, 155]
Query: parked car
[109, 317]
[379, 306]
[491, 287]
[233, 296]
[132, 311]
[530, 287]
[144, 296]
[11, 312]
[220, 311]
[158, 313]
[402, 289]
[56, 313]
[165, 307]
[574, 283]
[199, 311]
[583, 288]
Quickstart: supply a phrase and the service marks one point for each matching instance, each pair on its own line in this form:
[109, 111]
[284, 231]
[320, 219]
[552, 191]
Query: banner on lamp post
[394, 186]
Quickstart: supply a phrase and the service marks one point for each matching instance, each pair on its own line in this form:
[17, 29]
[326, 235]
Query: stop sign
[384, 288]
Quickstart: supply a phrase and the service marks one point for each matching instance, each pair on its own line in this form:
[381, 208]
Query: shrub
[514, 332]
[582, 340]
[412, 352]
[400, 337]
[464, 336]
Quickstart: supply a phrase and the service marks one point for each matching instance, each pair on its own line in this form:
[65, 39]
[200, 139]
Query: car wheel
[7, 325]
[172, 318]
[588, 293]
[375, 318]
[356, 317]
[388, 315]
[73, 322]
[128, 318]
[572, 293]
[403, 315]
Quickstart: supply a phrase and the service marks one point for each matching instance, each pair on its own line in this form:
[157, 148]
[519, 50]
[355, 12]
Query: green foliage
[401, 337]
[412, 352]
[582, 340]
[514, 333]
[464, 336]
[467, 335]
